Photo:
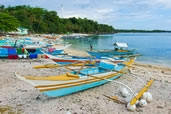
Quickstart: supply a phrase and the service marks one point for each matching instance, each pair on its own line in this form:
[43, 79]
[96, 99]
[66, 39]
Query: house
[20, 31]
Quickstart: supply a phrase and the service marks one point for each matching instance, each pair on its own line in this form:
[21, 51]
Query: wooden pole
[138, 96]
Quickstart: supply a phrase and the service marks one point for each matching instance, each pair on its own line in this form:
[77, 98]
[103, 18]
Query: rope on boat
[137, 77]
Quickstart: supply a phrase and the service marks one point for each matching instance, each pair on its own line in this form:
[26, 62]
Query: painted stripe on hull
[76, 83]
[64, 60]
[67, 61]
[109, 53]
[70, 90]
[64, 63]
[56, 52]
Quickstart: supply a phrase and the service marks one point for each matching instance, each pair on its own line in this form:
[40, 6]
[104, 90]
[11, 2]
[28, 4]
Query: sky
[121, 14]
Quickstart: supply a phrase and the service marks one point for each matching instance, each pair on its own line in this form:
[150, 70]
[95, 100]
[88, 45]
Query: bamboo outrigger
[139, 95]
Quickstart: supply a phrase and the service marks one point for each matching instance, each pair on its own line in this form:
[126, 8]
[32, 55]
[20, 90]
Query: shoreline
[82, 53]
[153, 65]
[73, 51]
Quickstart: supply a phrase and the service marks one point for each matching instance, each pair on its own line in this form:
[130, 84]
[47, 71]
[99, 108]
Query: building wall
[20, 31]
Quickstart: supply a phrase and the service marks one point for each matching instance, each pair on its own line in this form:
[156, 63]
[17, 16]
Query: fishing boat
[34, 45]
[62, 65]
[75, 81]
[66, 59]
[88, 62]
[58, 49]
[119, 49]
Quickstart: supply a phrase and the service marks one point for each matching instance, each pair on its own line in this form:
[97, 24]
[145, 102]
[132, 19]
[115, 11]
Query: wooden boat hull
[70, 60]
[59, 49]
[56, 52]
[110, 53]
[74, 89]
[62, 88]
[88, 78]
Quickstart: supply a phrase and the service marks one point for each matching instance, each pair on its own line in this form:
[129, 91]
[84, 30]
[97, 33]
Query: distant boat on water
[119, 50]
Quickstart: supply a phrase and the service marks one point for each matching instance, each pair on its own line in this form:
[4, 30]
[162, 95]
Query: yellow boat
[46, 66]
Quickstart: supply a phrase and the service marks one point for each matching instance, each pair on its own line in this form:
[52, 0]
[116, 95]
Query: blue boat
[60, 85]
[56, 52]
[119, 50]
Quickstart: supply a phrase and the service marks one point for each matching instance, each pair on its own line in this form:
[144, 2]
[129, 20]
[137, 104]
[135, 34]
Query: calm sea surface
[155, 47]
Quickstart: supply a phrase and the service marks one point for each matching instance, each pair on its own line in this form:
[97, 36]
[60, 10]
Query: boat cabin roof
[107, 65]
[124, 45]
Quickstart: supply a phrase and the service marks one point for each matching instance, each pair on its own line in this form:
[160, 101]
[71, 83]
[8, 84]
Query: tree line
[40, 20]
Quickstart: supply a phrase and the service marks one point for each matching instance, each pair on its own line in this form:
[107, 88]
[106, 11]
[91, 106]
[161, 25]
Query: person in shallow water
[91, 47]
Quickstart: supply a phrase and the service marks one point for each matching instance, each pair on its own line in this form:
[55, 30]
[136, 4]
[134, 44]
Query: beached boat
[55, 50]
[63, 65]
[89, 62]
[54, 86]
[65, 59]
[34, 45]
[119, 49]
[35, 49]
[70, 59]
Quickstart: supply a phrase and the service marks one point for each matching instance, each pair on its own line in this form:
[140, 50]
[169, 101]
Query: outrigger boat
[66, 59]
[119, 49]
[59, 49]
[88, 63]
[60, 85]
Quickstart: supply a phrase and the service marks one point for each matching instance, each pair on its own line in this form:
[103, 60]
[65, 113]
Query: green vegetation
[39, 20]
[8, 23]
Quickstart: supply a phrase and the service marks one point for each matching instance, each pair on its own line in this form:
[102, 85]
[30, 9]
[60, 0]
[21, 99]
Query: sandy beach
[19, 97]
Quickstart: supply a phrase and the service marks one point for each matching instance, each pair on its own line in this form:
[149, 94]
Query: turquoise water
[155, 47]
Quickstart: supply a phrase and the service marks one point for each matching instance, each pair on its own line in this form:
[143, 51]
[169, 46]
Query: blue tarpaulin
[12, 51]
[3, 52]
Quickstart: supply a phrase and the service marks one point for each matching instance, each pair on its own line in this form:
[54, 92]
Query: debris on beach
[5, 109]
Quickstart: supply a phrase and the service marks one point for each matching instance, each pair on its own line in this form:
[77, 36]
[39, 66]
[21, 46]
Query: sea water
[154, 47]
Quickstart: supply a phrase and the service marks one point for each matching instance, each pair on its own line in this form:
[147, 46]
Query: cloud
[164, 3]
[168, 21]
[103, 11]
